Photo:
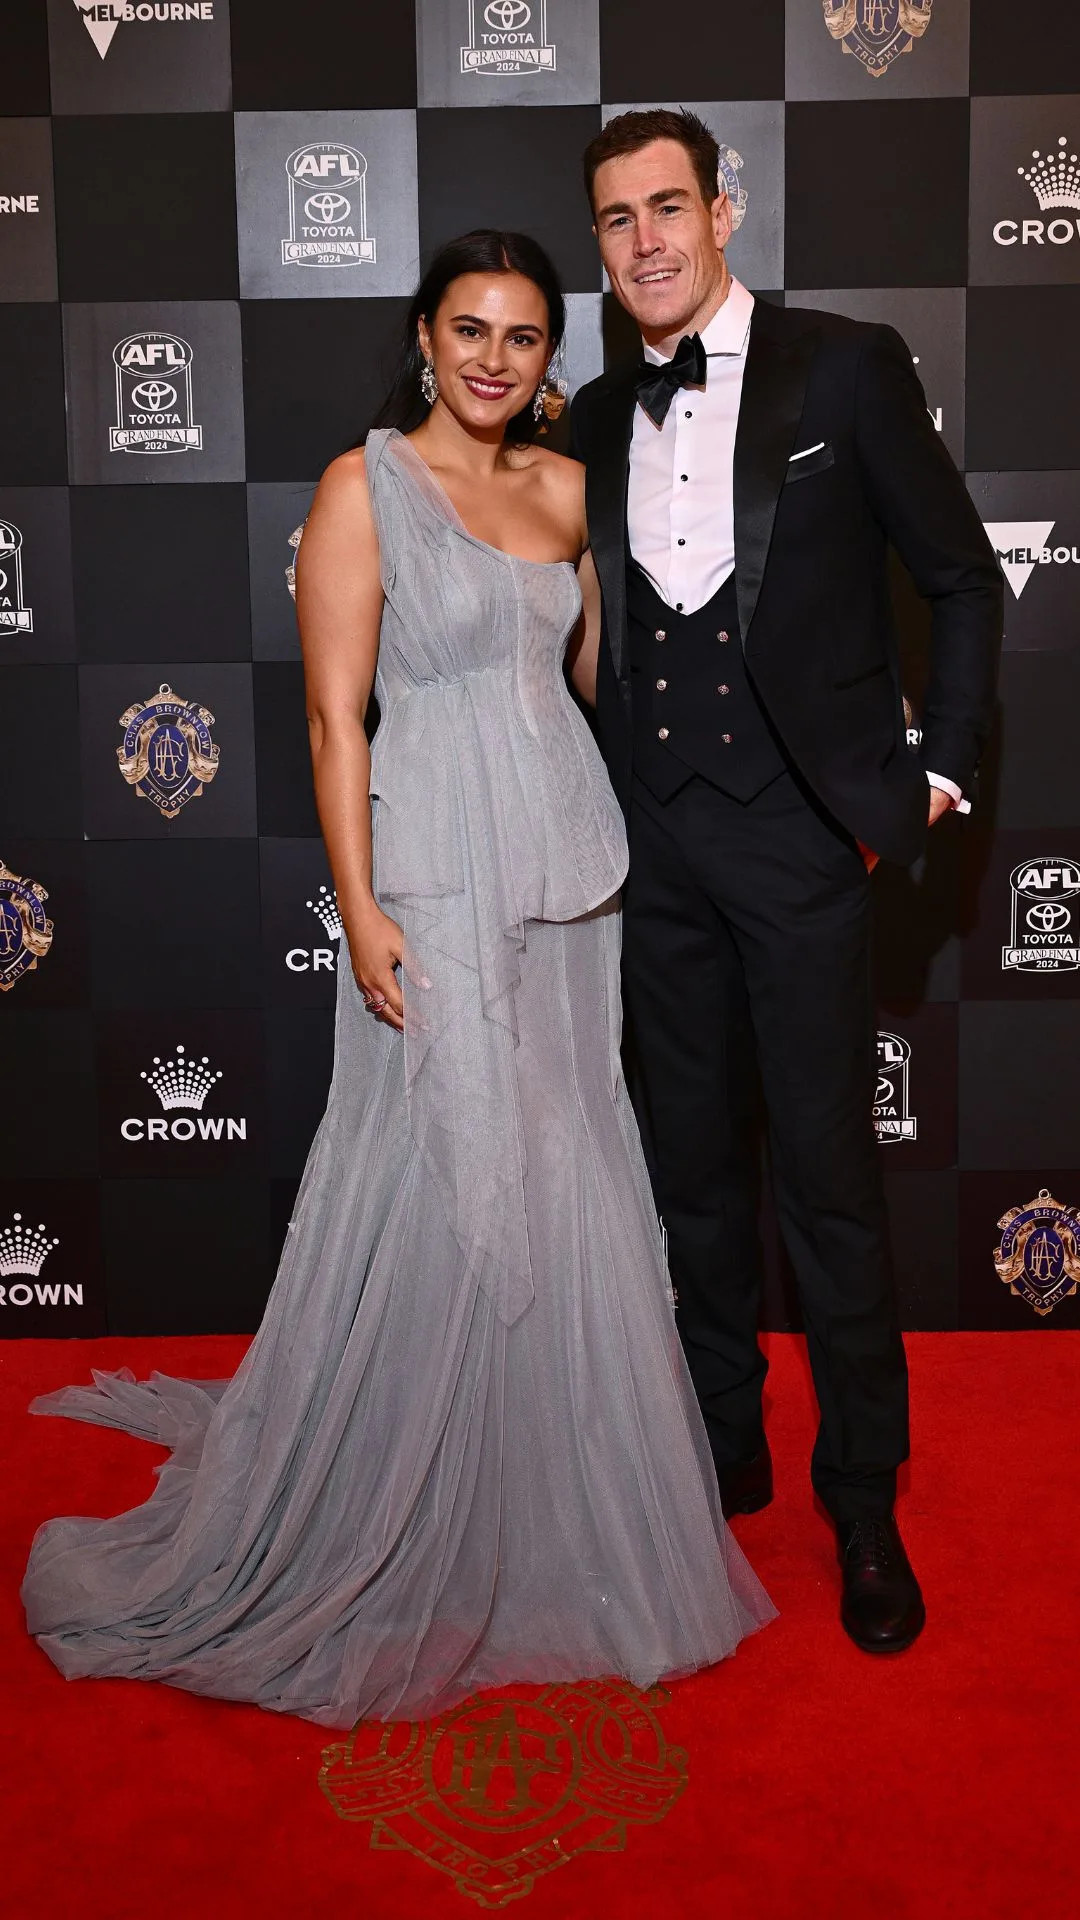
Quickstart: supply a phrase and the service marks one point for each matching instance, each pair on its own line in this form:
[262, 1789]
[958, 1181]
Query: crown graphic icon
[325, 907]
[1054, 179]
[24, 1249]
[182, 1082]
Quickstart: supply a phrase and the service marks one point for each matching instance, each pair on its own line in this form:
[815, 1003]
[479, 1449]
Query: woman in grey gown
[463, 1448]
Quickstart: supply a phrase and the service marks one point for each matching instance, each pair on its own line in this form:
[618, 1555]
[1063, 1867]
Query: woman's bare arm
[569, 476]
[339, 602]
[585, 640]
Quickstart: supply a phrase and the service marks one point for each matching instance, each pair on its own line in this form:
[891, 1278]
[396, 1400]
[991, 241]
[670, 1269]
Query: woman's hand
[376, 949]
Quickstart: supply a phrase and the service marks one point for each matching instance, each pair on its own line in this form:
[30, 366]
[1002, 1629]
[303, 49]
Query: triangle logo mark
[100, 31]
[1018, 544]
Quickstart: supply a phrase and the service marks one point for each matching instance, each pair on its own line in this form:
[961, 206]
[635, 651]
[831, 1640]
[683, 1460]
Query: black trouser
[747, 928]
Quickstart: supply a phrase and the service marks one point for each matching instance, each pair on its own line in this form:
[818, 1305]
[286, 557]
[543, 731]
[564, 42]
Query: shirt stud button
[678, 606]
[682, 543]
[722, 635]
[660, 634]
[661, 686]
[688, 415]
[726, 738]
[663, 734]
[684, 476]
[723, 689]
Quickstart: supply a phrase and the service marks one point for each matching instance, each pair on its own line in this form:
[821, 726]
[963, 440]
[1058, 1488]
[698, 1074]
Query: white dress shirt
[680, 512]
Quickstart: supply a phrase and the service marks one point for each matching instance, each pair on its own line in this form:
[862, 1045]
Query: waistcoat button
[663, 734]
[661, 686]
[660, 634]
[722, 636]
[726, 738]
[723, 689]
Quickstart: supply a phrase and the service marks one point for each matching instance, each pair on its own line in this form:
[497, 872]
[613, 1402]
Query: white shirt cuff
[950, 787]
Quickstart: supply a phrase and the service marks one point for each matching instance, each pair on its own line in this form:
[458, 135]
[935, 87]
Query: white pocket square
[805, 452]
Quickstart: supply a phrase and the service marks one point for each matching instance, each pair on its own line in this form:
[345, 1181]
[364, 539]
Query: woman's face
[490, 346]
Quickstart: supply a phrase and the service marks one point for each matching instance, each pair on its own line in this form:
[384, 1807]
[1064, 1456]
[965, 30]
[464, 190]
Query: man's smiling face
[659, 241]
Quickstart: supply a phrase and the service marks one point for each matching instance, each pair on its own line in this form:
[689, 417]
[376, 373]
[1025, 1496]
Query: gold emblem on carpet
[512, 1784]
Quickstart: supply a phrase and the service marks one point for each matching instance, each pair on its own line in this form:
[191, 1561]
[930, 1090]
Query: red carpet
[819, 1782]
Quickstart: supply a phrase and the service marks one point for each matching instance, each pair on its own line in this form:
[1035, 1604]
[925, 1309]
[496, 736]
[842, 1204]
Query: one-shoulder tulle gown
[463, 1449]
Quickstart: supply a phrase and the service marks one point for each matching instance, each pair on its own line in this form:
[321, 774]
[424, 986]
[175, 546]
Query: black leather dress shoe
[882, 1608]
[746, 1485]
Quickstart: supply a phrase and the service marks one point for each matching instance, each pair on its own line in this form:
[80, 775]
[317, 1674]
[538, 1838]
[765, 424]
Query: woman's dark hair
[486, 251]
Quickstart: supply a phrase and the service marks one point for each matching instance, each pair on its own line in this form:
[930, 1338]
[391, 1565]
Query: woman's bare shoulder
[564, 479]
[556, 465]
[340, 526]
[563, 488]
[346, 474]
[342, 493]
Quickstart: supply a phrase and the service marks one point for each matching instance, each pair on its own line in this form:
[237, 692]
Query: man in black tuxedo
[743, 483]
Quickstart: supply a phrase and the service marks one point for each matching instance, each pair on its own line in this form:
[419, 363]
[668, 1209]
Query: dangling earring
[551, 393]
[429, 386]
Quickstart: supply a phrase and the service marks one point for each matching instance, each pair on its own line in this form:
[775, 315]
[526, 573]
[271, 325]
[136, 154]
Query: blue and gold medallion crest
[168, 755]
[877, 32]
[1039, 1255]
[25, 931]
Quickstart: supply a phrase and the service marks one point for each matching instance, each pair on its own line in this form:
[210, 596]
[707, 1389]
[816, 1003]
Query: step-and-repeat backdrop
[211, 217]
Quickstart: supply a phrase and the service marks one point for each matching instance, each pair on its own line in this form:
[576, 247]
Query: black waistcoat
[694, 706]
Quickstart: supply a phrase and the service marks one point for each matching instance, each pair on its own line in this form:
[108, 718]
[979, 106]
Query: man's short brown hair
[629, 132]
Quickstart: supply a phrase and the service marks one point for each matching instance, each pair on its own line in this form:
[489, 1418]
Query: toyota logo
[1048, 917]
[327, 208]
[153, 396]
[508, 15]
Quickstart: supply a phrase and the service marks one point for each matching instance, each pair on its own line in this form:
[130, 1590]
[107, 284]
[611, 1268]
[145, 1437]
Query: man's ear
[721, 220]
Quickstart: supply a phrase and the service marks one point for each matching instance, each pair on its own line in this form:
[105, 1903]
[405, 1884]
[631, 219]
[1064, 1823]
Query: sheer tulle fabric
[463, 1449]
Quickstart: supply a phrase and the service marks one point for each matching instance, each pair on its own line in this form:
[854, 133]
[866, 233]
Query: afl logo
[15, 615]
[153, 396]
[1044, 935]
[327, 208]
[893, 1119]
[508, 36]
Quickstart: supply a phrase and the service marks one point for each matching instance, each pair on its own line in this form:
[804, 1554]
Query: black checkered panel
[212, 214]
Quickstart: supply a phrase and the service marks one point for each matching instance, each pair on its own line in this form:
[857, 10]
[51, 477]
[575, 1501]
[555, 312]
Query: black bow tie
[657, 386]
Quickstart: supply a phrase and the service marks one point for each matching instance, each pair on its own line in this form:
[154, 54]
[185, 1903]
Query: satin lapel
[772, 398]
[606, 476]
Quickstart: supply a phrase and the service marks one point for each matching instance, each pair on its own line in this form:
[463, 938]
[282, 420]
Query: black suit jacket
[811, 541]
